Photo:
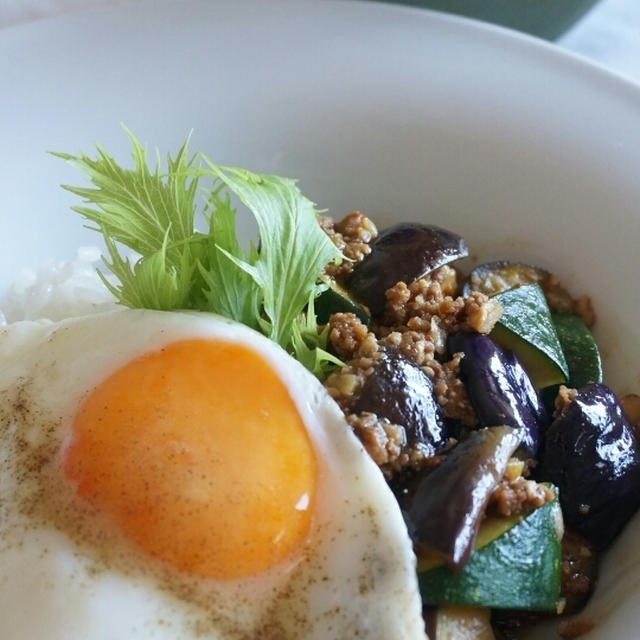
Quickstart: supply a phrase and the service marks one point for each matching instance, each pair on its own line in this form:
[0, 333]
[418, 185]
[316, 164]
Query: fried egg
[175, 476]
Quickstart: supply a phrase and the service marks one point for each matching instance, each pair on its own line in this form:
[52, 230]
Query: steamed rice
[58, 290]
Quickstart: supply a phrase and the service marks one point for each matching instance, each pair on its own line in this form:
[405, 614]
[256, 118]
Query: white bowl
[404, 114]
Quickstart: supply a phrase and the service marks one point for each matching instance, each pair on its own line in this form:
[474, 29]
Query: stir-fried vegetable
[516, 567]
[499, 388]
[401, 392]
[592, 454]
[579, 348]
[526, 328]
[404, 252]
[448, 505]
[282, 285]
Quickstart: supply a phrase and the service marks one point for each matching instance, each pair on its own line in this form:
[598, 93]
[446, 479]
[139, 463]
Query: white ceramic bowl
[405, 114]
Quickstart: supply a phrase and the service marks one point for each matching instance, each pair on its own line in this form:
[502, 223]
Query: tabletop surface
[609, 34]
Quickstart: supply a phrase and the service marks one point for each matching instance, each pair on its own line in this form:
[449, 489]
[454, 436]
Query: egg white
[67, 575]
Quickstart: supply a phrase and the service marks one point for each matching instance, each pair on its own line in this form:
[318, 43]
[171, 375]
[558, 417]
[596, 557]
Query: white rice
[58, 290]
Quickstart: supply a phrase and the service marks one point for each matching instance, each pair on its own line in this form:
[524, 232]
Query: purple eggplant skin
[401, 392]
[449, 502]
[499, 389]
[591, 453]
[402, 253]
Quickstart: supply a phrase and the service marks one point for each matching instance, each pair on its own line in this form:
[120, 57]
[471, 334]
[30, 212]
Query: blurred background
[606, 31]
[545, 18]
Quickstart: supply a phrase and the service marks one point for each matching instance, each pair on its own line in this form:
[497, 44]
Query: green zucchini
[516, 565]
[580, 350]
[336, 299]
[526, 328]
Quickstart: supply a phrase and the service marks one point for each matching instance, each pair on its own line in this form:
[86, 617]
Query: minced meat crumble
[417, 320]
[417, 304]
[415, 323]
[386, 444]
[353, 235]
[518, 496]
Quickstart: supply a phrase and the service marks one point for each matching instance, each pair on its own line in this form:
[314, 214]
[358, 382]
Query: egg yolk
[200, 456]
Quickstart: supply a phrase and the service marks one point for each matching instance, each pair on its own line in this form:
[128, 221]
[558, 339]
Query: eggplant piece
[402, 253]
[401, 392]
[450, 501]
[591, 453]
[494, 277]
[499, 389]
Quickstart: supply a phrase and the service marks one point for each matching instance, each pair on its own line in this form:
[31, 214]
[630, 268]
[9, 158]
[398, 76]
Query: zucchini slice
[336, 299]
[526, 328]
[580, 350]
[516, 565]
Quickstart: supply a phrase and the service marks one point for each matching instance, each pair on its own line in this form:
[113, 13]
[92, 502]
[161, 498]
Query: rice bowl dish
[538, 164]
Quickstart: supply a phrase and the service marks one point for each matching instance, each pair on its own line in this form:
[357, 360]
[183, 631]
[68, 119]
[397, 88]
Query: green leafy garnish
[270, 286]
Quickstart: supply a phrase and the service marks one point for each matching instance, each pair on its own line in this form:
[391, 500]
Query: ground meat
[356, 226]
[564, 398]
[382, 440]
[518, 496]
[386, 444]
[348, 335]
[575, 628]
[482, 313]
[582, 307]
[579, 571]
[558, 298]
[510, 625]
[560, 301]
[345, 384]
[351, 340]
[353, 235]
[451, 392]
[415, 345]
[631, 405]
[419, 298]
[417, 304]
